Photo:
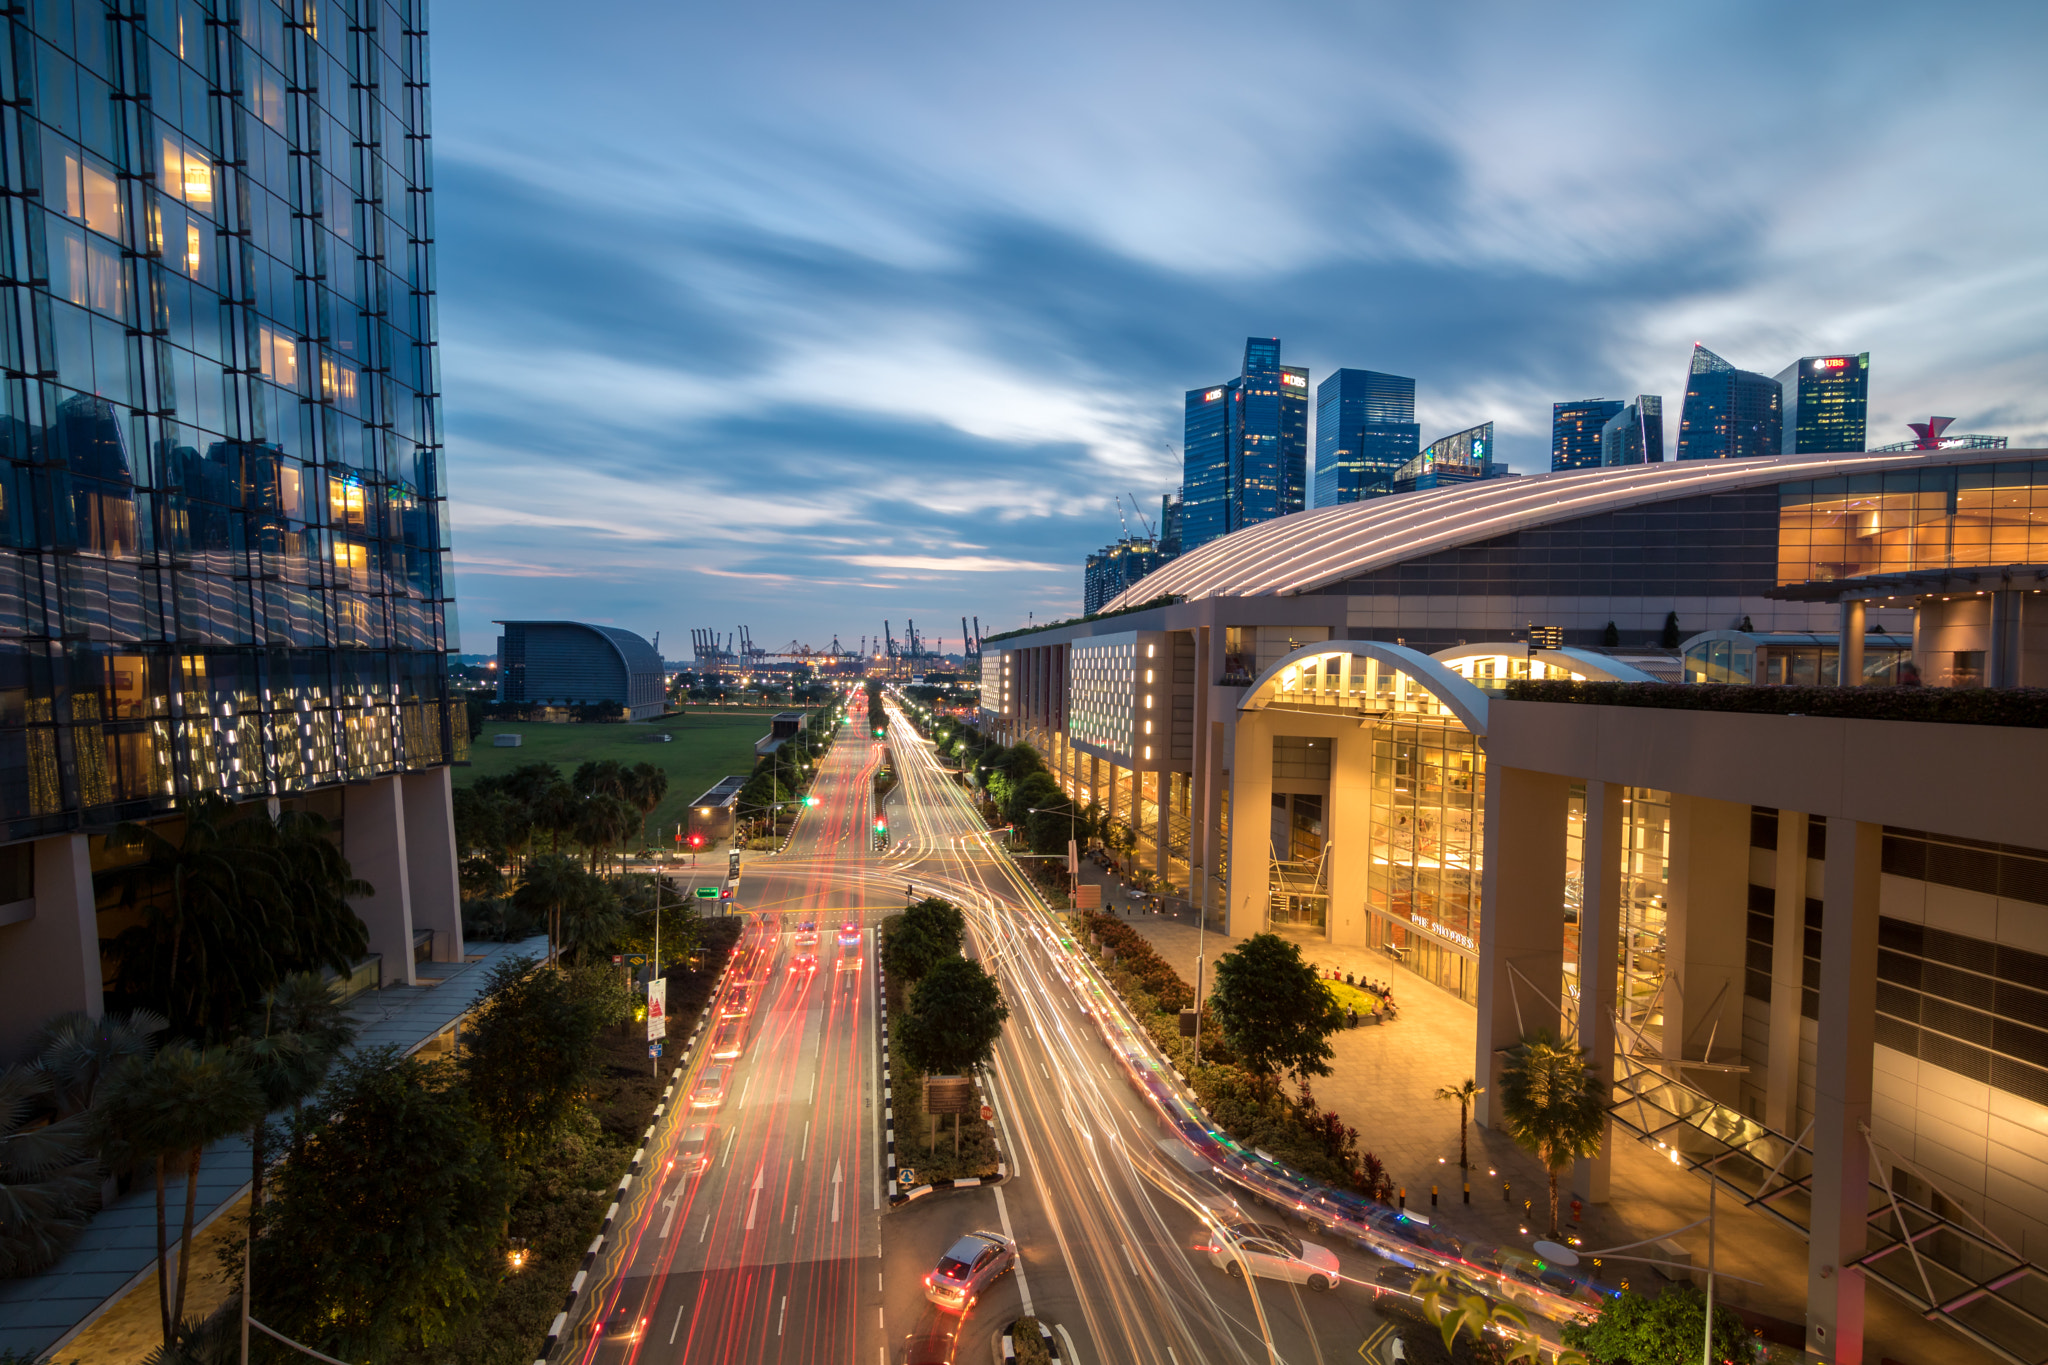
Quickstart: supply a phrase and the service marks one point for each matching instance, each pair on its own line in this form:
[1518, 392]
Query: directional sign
[657, 1008]
[710, 893]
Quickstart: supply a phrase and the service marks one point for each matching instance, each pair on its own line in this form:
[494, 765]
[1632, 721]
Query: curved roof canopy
[1308, 550]
[1365, 678]
[1569, 662]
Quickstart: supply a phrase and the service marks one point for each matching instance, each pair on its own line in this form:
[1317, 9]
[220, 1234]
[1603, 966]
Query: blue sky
[808, 316]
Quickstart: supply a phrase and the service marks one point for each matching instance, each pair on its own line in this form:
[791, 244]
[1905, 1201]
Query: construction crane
[1143, 520]
[889, 641]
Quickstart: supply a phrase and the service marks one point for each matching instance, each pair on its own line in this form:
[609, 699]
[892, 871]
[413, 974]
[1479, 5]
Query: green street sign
[707, 893]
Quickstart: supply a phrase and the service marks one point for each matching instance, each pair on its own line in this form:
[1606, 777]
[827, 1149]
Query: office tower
[221, 398]
[1825, 400]
[1635, 435]
[1169, 525]
[1115, 567]
[1461, 457]
[1365, 430]
[1575, 431]
[1245, 456]
[1728, 413]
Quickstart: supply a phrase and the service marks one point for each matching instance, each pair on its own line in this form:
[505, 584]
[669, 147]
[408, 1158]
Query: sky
[808, 317]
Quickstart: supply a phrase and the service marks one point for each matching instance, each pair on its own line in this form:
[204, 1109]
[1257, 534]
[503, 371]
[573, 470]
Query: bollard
[1506, 1196]
[1404, 1199]
[1468, 1191]
[1432, 1196]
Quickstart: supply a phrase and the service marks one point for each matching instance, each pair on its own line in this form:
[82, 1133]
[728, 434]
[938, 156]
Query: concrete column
[1842, 1093]
[373, 841]
[2002, 659]
[1849, 666]
[1347, 827]
[1198, 775]
[1521, 916]
[1248, 892]
[1209, 812]
[1788, 974]
[1705, 917]
[1599, 958]
[1162, 809]
[433, 877]
[50, 962]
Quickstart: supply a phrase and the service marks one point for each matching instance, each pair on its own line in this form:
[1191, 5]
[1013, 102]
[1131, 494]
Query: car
[738, 1001]
[849, 936]
[804, 962]
[1394, 1281]
[1274, 1254]
[624, 1323]
[727, 1041]
[807, 934]
[968, 1268]
[693, 1153]
[933, 1340]
[709, 1092]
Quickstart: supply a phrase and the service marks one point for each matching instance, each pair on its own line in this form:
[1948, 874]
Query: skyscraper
[1115, 567]
[1245, 455]
[221, 399]
[1461, 457]
[1365, 430]
[1728, 413]
[1635, 435]
[1826, 398]
[1169, 525]
[1575, 431]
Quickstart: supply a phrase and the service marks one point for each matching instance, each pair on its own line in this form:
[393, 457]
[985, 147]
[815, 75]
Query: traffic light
[696, 840]
[810, 800]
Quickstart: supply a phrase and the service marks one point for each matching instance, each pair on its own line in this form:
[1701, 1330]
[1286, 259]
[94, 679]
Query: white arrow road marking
[670, 1204]
[838, 1177]
[754, 1202]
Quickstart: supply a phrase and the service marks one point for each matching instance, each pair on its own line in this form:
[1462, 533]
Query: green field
[710, 743]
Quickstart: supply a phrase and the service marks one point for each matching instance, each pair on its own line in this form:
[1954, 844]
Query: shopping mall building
[1815, 926]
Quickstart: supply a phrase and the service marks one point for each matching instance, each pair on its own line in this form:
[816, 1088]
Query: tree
[605, 819]
[599, 776]
[646, 785]
[529, 1049]
[928, 933]
[1464, 1095]
[956, 1016]
[1276, 1014]
[1454, 1312]
[591, 919]
[166, 1109]
[288, 1049]
[77, 1052]
[1669, 639]
[1667, 1330]
[550, 882]
[48, 1178]
[1611, 636]
[383, 1225]
[1551, 1105]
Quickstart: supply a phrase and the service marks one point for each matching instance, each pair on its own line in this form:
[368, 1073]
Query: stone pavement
[1384, 1083]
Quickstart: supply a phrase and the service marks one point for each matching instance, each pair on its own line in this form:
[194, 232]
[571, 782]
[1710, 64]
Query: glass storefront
[1913, 519]
[1645, 884]
[1422, 887]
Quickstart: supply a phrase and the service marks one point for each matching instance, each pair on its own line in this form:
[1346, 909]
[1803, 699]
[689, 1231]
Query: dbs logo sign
[1212, 395]
[1294, 380]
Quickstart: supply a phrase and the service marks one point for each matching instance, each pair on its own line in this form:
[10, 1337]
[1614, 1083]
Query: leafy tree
[1667, 1330]
[550, 882]
[599, 776]
[928, 933]
[1507, 1326]
[288, 1049]
[554, 809]
[1276, 1014]
[384, 1223]
[956, 1016]
[646, 785]
[591, 919]
[528, 1051]
[166, 1108]
[605, 821]
[1669, 639]
[48, 1178]
[1551, 1105]
[1464, 1095]
[681, 927]
[1611, 636]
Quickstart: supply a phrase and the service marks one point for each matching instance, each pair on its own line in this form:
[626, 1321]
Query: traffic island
[918, 1159]
[1030, 1342]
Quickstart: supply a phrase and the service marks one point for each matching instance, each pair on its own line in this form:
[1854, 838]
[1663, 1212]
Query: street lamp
[1073, 847]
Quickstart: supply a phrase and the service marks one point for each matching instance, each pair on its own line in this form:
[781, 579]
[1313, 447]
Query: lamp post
[1073, 846]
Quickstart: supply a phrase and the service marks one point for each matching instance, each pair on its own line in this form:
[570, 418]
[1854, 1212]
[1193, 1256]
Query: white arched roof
[1307, 550]
[1364, 675]
[1583, 662]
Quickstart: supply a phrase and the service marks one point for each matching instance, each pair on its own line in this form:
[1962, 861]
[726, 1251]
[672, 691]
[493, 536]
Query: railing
[1950, 1269]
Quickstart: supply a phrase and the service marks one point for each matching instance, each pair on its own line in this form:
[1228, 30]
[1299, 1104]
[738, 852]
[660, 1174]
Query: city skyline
[943, 374]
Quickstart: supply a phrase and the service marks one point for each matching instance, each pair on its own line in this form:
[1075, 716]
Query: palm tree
[1551, 1105]
[167, 1108]
[554, 809]
[549, 883]
[1464, 1095]
[599, 775]
[591, 917]
[1454, 1312]
[646, 785]
[605, 820]
[325, 930]
[47, 1176]
[77, 1052]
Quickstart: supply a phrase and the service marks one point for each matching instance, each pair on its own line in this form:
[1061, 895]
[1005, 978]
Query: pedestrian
[1354, 1016]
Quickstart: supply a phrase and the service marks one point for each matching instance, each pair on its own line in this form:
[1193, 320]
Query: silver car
[968, 1268]
[1274, 1254]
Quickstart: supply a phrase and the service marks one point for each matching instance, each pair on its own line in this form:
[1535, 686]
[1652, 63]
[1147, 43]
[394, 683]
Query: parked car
[968, 1268]
[1274, 1254]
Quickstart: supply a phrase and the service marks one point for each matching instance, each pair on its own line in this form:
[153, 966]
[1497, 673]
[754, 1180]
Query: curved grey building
[570, 663]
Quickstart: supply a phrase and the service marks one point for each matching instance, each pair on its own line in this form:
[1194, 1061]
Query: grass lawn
[710, 743]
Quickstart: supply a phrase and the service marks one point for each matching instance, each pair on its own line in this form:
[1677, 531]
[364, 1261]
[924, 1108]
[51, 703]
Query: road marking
[814, 1096]
[707, 1228]
[1131, 1263]
[1073, 1357]
[754, 1202]
[838, 1175]
[750, 1082]
[782, 1315]
[1043, 1072]
[807, 1144]
[679, 1322]
[728, 1148]
[1023, 1289]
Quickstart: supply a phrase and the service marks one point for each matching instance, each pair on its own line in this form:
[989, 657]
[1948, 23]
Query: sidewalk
[1384, 1083]
[114, 1257]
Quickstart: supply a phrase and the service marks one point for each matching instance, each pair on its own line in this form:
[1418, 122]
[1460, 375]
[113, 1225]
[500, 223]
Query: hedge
[2011, 706]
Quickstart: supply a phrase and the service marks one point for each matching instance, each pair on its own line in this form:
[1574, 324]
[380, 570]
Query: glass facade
[225, 559]
[1422, 888]
[1826, 400]
[1635, 435]
[1365, 430]
[1728, 413]
[1993, 513]
[1575, 431]
[1645, 884]
[1245, 448]
[1114, 568]
[1461, 457]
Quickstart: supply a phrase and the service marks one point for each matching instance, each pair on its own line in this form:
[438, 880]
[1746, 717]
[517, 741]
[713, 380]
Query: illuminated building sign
[1298, 381]
[1442, 931]
[1831, 362]
[1212, 395]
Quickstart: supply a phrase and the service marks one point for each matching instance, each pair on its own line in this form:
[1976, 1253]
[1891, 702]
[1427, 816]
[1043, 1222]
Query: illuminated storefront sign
[1442, 931]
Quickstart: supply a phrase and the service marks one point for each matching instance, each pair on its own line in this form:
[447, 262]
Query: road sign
[707, 893]
[987, 1114]
[905, 1176]
[657, 1008]
[1546, 637]
[654, 1048]
[948, 1095]
[1088, 896]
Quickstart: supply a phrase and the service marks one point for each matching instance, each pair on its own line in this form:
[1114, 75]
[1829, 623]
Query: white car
[1274, 1254]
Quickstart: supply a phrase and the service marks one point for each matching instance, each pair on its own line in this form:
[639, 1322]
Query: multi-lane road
[785, 1248]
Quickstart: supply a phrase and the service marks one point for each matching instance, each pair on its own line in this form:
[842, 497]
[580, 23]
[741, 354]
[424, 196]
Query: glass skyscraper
[1245, 452]
[225, 566]
[1575, 431]
[1728, 413]
[1826, 399]
[1635, 435]
[1365, 430]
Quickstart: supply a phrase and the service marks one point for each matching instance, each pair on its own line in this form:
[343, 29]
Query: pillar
[434, 879]
[1248, 892]
[2002, 656]
[1842, 1091]
[1198, 768]
[1521, 916]
[373, 841]
[1209, 811]
[1599, 958]
[50, 961]
[1705, 921]
[1788, 975]
[1849, 656]
[1162, 808]
[1347, 828]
